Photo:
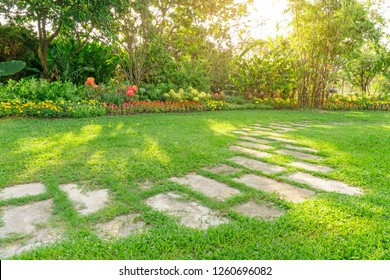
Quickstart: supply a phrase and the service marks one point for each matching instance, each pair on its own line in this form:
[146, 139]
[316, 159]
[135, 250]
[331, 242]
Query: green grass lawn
[123, 153]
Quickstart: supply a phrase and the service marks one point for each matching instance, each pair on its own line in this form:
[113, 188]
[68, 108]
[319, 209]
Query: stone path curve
[255, 149]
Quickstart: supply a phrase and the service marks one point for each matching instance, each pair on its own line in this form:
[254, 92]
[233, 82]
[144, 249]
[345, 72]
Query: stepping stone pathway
[304, 149]
[311, 167]
[256, 140]
[23, 219]
[26, 220]
[208, 187]
[323, 184]
[298, 155]
[254, 210]
[250, 152]
[189, 213]
[27, 225]
[88, 202]
[266, 133]
[285, 191]
[257, 165]
[254, 145]
[223, 169]
[18, 191]
[291, 141]
[242, 133]
[42, 237]
[261, 129]
[121, 226]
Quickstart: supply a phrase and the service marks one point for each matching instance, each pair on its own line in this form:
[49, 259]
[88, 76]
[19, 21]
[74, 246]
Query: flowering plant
[131, 90]
[91, 82]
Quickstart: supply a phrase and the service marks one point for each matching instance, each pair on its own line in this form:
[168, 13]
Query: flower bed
[51, 109]
[136, 107]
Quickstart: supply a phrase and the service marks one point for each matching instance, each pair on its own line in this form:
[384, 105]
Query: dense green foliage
[333, 47]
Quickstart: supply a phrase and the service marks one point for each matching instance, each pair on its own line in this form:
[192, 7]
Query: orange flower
[90, 81]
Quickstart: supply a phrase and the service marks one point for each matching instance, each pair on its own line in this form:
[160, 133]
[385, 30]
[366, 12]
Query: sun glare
[265, 17]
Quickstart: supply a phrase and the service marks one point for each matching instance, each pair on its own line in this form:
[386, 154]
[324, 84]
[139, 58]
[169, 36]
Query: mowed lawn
[123, 154]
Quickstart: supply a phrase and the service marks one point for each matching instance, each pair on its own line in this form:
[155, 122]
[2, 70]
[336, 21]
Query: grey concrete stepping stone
[256, 140]
[23, 219]
[208, 187]
[266, 133]
[304, 149]
[299, 155]
[223, 169]
[285, 191]
[311, 167]
[86, 202]
[254, 145]
[250, 152]
[286, 140]
[280, 125]
[262, 128]
[257, 165]
[190, 213]
[42, 237]
[254, 210]
[282, 129]
[22, 190]
[323, 184]
[121, 226]
[301, 125]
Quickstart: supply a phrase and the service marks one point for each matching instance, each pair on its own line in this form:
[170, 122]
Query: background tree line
[333, 45]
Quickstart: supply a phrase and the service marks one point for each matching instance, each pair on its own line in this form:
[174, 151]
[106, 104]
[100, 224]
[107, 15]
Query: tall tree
[53, 16]
[324, 33]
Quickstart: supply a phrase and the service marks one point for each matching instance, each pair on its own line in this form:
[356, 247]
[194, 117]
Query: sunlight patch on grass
[154, 152]
[220, 127]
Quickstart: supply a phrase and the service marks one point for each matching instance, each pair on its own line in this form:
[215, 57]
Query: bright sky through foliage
[272, 12]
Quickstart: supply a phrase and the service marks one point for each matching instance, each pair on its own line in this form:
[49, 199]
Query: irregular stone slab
[282, 129]
[280, 125]
[254, 145]
[301, 125]
[190, 213]
[223, 169]
[259, 126]
[208, 187]
[285, 191]
[304, 149]
[265, 133]
[121, 226]
[42, 237]
[88, 202]
[283, 139]
[323, 184]
[256, 140]
[254, 210]
[23, 219]
[257, 165]
[262, 128]
[22, 190]
[311, 167]
[250, 152]
[299, 155]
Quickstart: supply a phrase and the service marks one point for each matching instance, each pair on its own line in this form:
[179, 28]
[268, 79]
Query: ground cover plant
[134, 156]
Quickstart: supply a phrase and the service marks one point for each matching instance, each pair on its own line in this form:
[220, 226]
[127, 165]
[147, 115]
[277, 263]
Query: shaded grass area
[124, 153]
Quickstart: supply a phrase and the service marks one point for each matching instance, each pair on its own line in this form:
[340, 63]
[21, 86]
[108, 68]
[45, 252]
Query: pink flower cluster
[131, 90]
